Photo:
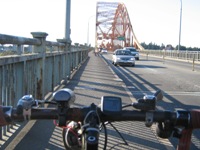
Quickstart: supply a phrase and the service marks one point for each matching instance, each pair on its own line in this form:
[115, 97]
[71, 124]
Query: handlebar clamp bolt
[149, 119]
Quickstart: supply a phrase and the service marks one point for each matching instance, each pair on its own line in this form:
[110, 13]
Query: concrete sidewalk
[93, 80]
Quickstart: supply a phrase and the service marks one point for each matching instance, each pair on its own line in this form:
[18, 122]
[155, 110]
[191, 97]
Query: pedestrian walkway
[92, 80]
[96, 79]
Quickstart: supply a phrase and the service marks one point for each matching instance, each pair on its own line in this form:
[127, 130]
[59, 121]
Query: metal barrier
[185, 55]
[38, 72]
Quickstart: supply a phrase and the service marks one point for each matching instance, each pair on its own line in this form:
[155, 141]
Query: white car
[123, 57]
[104, 51]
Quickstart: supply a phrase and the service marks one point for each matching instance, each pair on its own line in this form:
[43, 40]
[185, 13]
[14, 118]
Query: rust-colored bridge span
[113, 27]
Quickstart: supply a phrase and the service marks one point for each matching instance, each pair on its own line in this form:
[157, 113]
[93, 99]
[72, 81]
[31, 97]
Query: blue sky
[154, 21]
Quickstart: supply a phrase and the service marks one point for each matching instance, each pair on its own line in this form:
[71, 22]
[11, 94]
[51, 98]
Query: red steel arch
[113, 27]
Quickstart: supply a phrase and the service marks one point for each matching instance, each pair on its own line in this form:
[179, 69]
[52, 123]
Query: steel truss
[113, 27]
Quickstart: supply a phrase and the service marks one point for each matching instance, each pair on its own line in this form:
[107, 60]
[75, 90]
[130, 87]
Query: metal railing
[38, 72]
[185, 55]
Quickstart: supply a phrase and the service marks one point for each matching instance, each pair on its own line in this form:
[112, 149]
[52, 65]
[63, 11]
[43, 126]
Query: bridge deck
[93, 80]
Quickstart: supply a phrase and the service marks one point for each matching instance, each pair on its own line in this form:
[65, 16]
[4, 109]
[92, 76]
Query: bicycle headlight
[65, 97]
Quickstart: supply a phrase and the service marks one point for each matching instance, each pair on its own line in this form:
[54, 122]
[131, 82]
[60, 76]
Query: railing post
[186, 57]
[40, 73]
[20, 49]
[68, 55]
[193, 62]
[81, 52]
[178, 53]
[42, 37]
[164, 54]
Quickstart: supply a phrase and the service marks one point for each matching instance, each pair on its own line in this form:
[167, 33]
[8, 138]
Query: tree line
[154, 46]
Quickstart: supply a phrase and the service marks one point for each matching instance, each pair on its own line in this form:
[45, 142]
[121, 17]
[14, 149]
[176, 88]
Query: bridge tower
[113, 27]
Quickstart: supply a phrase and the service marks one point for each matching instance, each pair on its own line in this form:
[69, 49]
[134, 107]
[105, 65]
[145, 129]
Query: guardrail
[185, 55]
[38, 72]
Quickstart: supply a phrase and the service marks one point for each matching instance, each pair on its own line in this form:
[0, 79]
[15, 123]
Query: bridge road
[91, 81]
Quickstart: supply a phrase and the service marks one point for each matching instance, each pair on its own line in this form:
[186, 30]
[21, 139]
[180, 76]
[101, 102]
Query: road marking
[20, 135]
[171, 93]
[182, 93]
[197, 86]
[153, 70]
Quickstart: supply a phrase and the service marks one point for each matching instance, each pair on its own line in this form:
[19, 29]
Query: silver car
[134, 52]
[104, 51]
[123, 57]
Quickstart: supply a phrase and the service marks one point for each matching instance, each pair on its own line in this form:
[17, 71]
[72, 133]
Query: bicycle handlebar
[167, 121]
[188, 119]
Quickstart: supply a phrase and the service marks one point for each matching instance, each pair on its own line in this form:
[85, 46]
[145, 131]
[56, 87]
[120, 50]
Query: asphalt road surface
[178, 81]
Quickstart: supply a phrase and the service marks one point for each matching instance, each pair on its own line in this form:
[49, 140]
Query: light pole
[88, 29]
[180, 27]
[67, 20]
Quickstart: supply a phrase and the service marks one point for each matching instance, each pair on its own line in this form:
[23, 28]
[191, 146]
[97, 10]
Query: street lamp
[88, 29]
[180, 27]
